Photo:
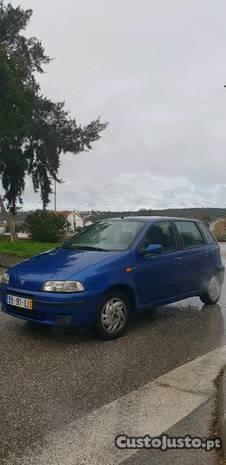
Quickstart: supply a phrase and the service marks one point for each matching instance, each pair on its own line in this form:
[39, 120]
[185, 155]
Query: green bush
[47, 226]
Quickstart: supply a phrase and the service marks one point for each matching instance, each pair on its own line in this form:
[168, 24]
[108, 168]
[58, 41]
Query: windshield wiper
[89, 247]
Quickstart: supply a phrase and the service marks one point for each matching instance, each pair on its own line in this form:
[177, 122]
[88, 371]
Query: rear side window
[189, 233]
[207, 234]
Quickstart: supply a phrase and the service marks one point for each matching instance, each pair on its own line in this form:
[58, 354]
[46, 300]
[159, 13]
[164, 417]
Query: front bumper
[77, 309]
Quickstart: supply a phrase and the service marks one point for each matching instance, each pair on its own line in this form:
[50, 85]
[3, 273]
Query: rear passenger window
[190, 234]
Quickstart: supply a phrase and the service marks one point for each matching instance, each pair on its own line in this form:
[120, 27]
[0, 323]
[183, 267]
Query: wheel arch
[126, 290]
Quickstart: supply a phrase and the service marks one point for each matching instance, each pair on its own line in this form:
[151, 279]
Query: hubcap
[113, 316]
[214, 288]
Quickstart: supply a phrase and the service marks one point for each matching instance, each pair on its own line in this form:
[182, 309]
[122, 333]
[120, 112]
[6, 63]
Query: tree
[34, 131]
[47, 226]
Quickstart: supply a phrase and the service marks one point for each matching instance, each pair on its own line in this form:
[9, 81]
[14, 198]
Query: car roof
[150, 219]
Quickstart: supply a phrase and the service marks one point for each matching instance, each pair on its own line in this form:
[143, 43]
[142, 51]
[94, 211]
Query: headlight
[5, 278]
[63, 286]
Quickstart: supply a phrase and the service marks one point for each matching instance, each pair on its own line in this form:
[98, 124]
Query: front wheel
[213, 291]
[113, 315]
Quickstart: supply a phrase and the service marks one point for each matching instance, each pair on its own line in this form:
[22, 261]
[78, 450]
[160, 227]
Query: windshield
[106, 236]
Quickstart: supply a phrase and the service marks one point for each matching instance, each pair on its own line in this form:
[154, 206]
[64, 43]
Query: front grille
[33, 315]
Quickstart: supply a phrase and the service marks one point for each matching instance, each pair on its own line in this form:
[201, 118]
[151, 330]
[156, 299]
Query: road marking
[151, 409]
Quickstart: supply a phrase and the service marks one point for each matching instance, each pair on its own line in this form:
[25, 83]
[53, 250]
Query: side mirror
[152, 249]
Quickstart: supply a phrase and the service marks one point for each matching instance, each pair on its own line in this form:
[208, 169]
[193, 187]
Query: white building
[214, 223]
[76, 220]
[3, 228]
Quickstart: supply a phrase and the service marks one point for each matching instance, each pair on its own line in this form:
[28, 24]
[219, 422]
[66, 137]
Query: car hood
[58, 264]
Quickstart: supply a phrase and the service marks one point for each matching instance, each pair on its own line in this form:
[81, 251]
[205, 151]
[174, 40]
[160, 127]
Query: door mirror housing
[152, 249]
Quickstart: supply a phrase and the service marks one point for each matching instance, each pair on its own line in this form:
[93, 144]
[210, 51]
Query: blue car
[113, 269]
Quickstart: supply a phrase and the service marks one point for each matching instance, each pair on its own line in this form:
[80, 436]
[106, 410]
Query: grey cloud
[155, 71]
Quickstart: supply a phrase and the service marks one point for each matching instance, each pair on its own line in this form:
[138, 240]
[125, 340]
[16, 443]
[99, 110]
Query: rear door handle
[178, 261]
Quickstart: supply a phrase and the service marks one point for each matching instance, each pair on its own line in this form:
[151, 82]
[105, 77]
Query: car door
[157, 276]
[194, 255]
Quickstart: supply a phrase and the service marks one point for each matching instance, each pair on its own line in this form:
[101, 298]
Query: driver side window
[161, 233]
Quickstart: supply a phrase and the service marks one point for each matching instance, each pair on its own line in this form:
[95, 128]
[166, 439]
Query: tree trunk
[8, 219]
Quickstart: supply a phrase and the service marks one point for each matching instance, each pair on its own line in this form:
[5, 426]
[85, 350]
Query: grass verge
[25, 248]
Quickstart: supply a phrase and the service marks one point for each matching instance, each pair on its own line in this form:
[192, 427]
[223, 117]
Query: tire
[213, 291]
[113, 315]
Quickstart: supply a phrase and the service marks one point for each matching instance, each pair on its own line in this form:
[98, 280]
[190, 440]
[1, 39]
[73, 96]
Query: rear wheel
[113, 315]
[212, 294]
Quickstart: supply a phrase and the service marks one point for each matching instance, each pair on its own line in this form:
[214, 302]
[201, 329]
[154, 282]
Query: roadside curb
[222, 410]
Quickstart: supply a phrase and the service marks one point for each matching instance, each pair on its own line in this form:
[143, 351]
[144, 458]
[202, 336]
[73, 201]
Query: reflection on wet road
[50, 378]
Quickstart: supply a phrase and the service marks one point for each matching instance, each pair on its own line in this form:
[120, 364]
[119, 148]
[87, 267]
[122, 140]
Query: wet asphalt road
[50, 378]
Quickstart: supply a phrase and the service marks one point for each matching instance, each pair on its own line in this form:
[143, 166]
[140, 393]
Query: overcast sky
[155, 69]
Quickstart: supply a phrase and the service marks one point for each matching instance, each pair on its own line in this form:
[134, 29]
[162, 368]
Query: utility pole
[55, 205]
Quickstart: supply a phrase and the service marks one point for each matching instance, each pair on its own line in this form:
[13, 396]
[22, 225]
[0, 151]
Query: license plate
[20, 302]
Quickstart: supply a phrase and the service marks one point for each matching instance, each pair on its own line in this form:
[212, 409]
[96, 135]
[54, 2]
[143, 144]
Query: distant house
[3, 228]
[218, 227]
[75, 219]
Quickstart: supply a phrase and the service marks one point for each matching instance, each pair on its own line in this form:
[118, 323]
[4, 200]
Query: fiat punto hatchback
[113, 269]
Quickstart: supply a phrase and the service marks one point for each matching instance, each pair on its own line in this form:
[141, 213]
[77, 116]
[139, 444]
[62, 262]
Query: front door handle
[178, 261]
